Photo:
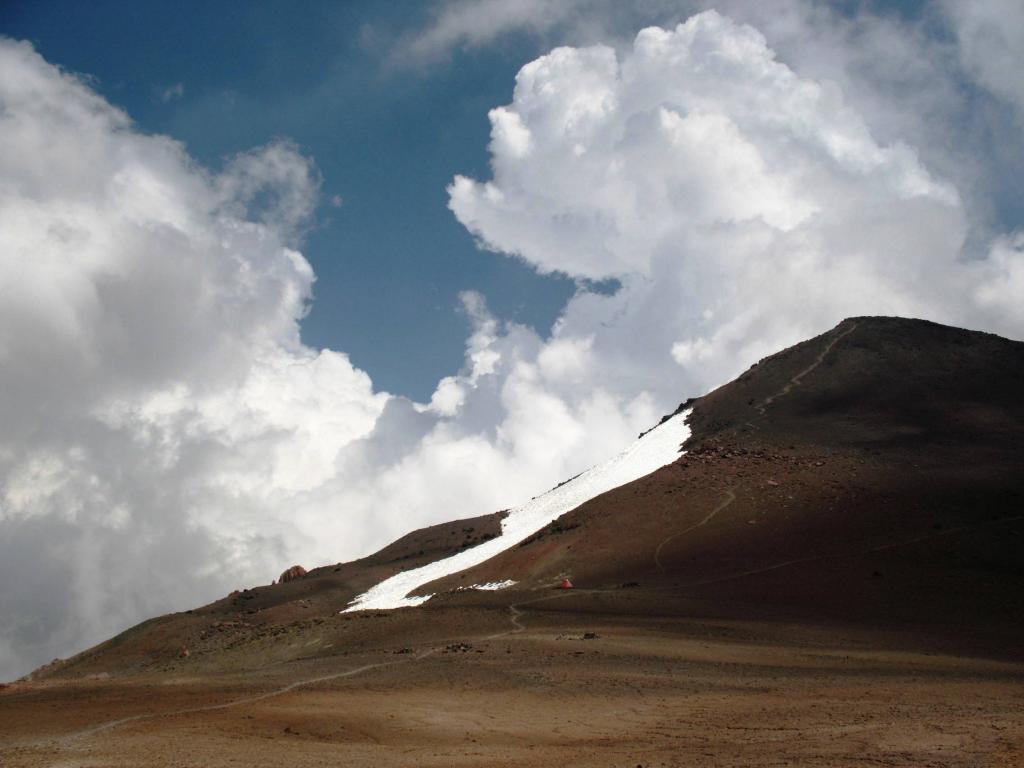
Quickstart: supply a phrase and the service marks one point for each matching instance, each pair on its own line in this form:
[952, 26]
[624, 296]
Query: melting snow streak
[491, 586]
[654, 450]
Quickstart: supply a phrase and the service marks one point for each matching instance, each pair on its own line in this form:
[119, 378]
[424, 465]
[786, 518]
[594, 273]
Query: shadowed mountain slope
[876, 381]
[872, 474]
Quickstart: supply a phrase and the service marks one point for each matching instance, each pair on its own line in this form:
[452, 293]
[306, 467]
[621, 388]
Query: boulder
[291, 574]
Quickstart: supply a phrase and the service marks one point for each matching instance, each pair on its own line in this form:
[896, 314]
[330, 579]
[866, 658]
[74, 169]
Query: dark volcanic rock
[874, 381]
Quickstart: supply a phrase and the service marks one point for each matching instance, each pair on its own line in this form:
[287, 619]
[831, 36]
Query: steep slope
[872, 474]
[883, 382]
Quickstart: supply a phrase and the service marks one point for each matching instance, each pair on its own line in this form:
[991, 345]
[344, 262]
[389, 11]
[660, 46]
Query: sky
[277, 287]
[390, 260]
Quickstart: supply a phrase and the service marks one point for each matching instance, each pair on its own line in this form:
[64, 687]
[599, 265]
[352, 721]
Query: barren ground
[651, 692]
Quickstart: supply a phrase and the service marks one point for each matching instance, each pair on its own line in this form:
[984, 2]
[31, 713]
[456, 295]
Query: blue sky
[391, 260]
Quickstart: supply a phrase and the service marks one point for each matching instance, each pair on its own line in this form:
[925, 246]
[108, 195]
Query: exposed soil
[637, 691]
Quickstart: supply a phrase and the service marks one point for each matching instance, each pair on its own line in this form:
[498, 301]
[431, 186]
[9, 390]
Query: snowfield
[654, 450]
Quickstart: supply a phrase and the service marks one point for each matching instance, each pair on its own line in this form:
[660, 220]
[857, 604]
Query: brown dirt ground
[646, 691]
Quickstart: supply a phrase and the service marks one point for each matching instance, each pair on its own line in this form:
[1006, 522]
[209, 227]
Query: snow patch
[654, 450]
[491, 586]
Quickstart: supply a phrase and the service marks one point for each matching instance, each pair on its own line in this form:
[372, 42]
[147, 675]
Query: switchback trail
[515, 610]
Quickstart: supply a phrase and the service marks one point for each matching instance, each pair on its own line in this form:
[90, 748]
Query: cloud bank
[168, 437]
[742, 206]
[156, 399]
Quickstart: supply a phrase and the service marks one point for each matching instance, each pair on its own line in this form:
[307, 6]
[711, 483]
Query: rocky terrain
[831, 574]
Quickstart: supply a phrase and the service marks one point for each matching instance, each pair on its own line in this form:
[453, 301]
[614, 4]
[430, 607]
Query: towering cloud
[166, 436]
[742, 206]
[991, 36]
[155, 398]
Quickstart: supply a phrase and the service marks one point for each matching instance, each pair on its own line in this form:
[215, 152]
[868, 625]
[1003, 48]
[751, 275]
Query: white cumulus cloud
[166, 435]
[991, 38]
[741, 205]
[158, 407]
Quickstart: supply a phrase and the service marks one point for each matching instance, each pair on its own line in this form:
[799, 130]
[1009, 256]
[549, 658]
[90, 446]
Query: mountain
[828, 571]
[872, 474]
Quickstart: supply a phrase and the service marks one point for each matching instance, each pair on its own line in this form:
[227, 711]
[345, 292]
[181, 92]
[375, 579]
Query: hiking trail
[796, 380]
[730, 498]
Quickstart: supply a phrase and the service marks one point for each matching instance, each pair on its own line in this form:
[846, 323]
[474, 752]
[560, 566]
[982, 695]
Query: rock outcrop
[291, 574]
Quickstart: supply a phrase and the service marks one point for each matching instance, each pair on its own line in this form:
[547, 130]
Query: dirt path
[517, 625]
[515, 611]
[730, 498]
[795, 381]
[67, 739]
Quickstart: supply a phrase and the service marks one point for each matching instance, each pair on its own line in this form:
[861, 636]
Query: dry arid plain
[695, 692]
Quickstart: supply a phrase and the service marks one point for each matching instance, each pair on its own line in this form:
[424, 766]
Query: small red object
[566, 584]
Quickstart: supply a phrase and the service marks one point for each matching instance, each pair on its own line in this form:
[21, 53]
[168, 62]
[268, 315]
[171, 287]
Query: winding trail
[796, 380]
[730, 498]
[515, 612]
[517, 625]
[111, 724]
